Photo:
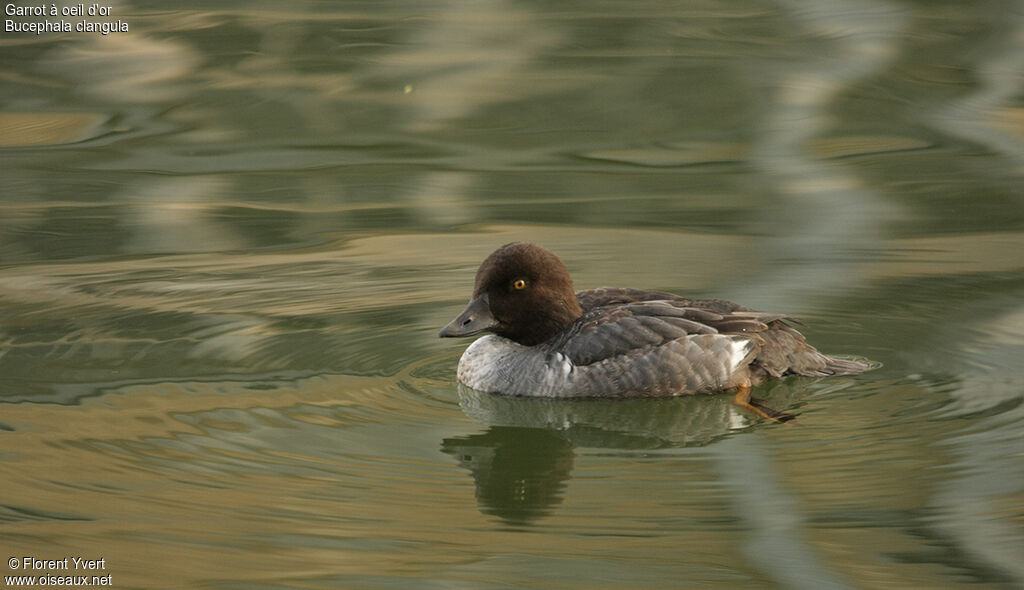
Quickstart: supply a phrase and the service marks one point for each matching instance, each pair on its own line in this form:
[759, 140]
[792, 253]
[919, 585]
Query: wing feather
[627, 320]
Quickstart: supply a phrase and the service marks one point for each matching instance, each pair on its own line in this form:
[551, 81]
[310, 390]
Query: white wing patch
[563, 364]
[740, 350]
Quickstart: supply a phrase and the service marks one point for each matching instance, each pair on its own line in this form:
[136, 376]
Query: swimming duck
[548, 340]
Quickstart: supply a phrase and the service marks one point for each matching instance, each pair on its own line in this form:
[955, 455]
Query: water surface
[228, 238]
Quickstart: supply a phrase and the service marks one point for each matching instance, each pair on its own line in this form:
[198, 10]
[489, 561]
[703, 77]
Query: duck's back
[782, 349]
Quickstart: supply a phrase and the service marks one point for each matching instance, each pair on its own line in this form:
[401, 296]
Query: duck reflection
[520, 472]
[522, 462]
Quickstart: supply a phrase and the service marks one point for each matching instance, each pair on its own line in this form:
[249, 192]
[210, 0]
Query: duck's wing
[622, 321]
[632, 342]
[593, 298]
[654, 348]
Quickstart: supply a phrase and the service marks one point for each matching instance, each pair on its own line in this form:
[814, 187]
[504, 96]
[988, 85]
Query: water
[228, 238]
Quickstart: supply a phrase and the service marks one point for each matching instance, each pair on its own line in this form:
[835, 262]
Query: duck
[542, 338]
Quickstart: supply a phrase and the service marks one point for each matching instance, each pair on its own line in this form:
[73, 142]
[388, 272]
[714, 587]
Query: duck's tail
[847, 366]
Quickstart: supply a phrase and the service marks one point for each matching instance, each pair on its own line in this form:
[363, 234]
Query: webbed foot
[757, 406]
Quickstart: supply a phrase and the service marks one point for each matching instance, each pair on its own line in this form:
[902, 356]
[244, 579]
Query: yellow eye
[519, 285]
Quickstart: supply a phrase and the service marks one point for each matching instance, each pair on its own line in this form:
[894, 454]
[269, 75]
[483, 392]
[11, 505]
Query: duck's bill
[474, 319]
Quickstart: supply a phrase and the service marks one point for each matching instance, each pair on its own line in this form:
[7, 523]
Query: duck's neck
[552, 321]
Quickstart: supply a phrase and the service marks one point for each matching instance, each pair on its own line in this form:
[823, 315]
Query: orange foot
[757, 406]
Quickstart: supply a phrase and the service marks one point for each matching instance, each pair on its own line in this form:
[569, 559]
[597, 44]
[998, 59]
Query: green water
[229, 236]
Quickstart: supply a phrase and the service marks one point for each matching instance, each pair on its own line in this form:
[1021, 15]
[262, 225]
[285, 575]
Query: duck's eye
[519, 284]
